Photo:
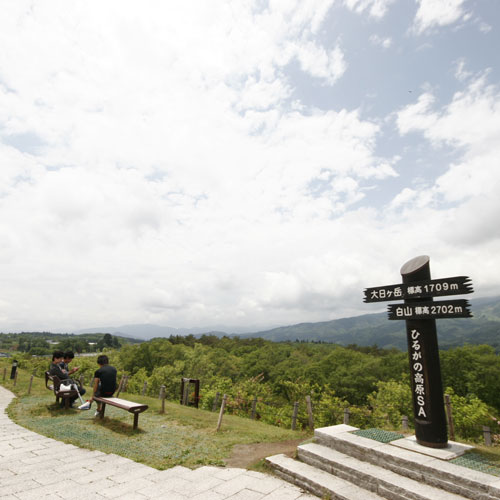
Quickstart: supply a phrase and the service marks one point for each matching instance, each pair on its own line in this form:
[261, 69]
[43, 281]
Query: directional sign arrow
[457, 285]
[430, 310]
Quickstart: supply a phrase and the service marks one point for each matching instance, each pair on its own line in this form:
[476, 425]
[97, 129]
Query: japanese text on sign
[418, 373]
[456, 285]
[430, 310]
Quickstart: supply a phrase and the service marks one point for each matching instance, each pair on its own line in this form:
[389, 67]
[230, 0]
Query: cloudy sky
[241, 163]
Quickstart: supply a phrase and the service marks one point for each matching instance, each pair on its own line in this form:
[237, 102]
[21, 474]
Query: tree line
[372, 382]
[43, 343]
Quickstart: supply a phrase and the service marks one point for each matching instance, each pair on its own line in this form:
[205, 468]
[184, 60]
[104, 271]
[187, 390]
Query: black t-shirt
[107, 375]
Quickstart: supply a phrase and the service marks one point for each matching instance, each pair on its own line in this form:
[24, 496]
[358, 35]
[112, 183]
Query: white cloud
[471, 119]
[171, 172]
[460, 72]
[322, 64]
[435, 13]
[485, 27]
[381, 41]
[417, 116]
[376, 8]
[402, 198]
[466, 195]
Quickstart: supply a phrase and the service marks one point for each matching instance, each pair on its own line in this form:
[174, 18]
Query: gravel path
[36, 467]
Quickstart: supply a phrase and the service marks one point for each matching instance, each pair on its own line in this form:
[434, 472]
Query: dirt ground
[245, 455]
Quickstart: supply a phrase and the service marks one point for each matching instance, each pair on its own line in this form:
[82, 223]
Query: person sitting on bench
[104, 380]
[62, 375]
[68, 358]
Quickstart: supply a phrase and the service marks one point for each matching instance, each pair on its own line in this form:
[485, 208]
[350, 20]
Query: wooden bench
[129, 406]
[66, 396]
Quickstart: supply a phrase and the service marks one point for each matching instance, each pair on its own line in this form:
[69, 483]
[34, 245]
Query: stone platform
[342, 465]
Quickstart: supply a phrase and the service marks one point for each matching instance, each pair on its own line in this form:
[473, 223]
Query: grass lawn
[182, 436]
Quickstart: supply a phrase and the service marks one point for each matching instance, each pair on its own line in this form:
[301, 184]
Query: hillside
[376, 329]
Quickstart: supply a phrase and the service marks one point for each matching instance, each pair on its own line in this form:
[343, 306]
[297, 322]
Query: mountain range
[368, 329]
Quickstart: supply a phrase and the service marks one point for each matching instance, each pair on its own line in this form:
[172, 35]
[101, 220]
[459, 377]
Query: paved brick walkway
[36, 467]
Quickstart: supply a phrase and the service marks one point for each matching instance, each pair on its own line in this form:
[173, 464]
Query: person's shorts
[105, 394]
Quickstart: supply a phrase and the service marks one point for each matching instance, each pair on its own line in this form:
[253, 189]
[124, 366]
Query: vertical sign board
[420, 312]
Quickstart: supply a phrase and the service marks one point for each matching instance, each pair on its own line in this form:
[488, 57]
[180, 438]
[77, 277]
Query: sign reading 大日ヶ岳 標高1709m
[457, 285]
[420, 312]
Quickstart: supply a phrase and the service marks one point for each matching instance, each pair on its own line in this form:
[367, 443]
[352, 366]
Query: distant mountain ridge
[368, 329]
[376, 329]
[149, 331]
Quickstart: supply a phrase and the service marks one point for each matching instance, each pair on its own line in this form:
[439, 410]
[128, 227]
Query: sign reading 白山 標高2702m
[433, 310]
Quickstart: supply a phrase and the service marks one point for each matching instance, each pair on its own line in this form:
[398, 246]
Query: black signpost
[420, 313]
[13, 369]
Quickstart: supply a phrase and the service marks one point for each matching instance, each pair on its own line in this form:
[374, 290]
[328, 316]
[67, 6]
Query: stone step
[317, 481]
[371, 477]
[419, 467]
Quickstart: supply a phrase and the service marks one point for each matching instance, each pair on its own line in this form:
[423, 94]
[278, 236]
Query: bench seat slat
[130, 406]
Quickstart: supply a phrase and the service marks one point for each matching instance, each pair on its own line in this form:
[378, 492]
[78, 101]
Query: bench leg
[136, 420]
[66, 403]
[103, 409]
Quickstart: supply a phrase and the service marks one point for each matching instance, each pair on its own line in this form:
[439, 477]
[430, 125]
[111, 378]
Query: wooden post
[31, 383]
[404, 423]
[487, 435]
[347, 413]
[216, 401]
[125, 384]
[254, 405]
[294, 415]
[15, 378]
[144, 387]
[162, 396]
[449, 413]
[4, 373]
[185, 396]
[310, 412]
[222, 408]
[183, 381]
[82, 380]
[196, 392]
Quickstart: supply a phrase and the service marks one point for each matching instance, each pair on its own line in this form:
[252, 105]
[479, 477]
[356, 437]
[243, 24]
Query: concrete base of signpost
[453, 450]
